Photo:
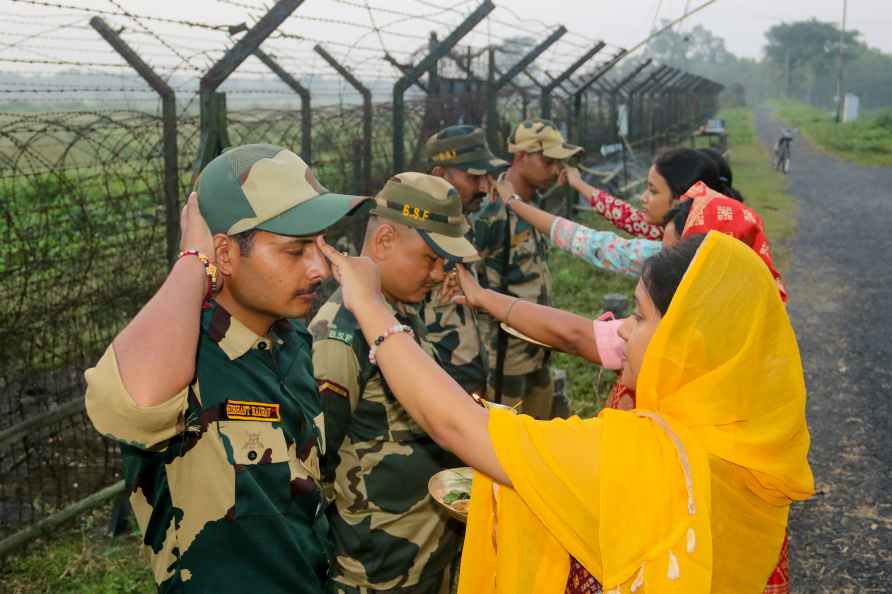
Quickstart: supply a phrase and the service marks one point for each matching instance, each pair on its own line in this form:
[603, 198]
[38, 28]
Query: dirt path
[840, 284]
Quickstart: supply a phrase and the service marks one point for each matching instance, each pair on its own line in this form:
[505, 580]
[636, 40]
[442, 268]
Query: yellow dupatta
[689, 493]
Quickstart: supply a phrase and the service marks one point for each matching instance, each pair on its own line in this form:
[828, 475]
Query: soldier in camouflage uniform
[460, 155]
[215, 405]
[387, 532]
[514, 262]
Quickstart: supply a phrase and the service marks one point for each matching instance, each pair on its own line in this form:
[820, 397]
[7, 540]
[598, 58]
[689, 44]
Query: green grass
[764, 188]
[579, 287]
[867, 140]
[80, 559]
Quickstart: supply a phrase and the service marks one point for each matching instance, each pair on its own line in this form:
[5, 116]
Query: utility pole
[840, 91]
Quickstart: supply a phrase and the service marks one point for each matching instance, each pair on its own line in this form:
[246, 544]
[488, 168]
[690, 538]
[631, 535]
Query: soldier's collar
[233, 337]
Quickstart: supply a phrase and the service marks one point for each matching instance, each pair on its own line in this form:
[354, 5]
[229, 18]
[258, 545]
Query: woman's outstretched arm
[428, 394]
[616, 210]
[562, 330]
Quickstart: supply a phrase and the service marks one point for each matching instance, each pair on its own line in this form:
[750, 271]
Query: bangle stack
[209, 269]
[395, 329]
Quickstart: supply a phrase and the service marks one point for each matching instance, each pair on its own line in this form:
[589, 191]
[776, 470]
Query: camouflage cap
[267, 187]
[465, 148]
[431, 206]
[534, 136]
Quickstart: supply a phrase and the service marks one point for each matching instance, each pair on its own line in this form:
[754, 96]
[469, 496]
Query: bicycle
[782, 151]
[782, 156]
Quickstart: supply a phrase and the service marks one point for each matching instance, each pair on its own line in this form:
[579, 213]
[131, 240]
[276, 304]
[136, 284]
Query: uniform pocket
[259, 454]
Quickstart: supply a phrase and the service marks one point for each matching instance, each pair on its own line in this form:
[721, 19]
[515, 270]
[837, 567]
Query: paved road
[840, 284]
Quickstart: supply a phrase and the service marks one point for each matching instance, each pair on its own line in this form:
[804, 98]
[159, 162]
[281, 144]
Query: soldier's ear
[384, 241]
[438, 171]
[225, 249]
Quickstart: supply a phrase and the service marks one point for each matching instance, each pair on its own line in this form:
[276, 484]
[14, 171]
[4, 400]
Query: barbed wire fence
[106, 114]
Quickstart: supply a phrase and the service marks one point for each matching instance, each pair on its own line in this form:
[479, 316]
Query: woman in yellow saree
[688, 493]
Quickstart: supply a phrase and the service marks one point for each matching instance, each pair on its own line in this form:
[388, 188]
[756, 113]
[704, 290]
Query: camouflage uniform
[224, 477]
[452, 330]
[387, 533]
[527, 378]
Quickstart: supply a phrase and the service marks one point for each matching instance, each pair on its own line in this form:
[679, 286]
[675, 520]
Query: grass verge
[867, 140]
[764, 188]
[80, 559]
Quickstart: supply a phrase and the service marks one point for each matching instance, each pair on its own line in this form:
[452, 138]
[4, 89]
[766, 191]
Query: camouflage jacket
[452, 331]
[386, 531]
[528, 278]
[224, 477]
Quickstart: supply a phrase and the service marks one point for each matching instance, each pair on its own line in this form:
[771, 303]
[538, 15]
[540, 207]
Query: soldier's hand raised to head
[359, 277]
[194, 231]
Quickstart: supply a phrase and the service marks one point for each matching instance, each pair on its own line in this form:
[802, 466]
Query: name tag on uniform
[242, 410]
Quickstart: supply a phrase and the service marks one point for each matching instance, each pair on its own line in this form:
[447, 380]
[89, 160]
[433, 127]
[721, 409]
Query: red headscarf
[712, 211]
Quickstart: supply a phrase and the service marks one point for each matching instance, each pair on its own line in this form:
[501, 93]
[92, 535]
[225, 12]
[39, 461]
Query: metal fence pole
[306, 113]
[366, 182]
[168, 134]
[547, 89]
[587, 83]
[213, 122]
[413, 73]
[492, 119]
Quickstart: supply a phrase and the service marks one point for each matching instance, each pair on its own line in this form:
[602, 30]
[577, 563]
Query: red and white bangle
[395, 329]
[209, 269]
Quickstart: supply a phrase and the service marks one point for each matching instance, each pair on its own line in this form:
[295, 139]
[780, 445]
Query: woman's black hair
[662, 273]
[678, 216]
[683, 167]
[726, 176]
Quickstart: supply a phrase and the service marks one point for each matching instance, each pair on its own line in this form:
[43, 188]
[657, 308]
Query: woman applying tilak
[689, 492]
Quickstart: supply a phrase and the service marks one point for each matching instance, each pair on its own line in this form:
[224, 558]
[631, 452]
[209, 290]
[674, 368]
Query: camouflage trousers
[531, 393]
[441, 584]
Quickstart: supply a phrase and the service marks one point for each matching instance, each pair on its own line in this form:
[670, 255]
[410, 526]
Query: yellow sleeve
[113, 412]
[554, 467]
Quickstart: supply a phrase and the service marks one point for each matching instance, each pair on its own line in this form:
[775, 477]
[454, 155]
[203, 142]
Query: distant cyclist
[782, 150]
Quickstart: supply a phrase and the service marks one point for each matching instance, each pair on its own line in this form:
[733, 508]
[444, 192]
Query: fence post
[412, 74]
[559, 79]
[636, 102]
[586, 84]
[168, 135]
[617, 91]
[306, 113]
[214, 136]
[366, 186]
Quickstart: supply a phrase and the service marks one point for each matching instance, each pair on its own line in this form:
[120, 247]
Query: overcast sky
[36, 32]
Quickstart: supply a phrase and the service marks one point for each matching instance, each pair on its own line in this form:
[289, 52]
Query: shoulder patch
[344, 336]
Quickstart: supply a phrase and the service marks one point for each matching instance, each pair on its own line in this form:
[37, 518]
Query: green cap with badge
[267, 187]
[465, 148]
[538, 135]
[431, 206]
